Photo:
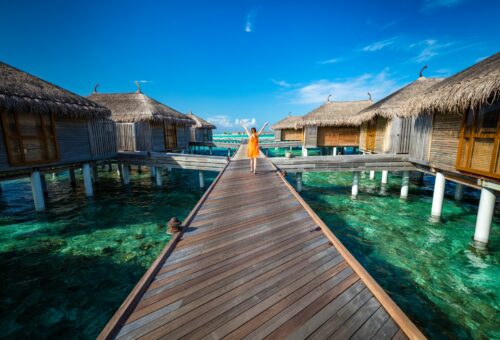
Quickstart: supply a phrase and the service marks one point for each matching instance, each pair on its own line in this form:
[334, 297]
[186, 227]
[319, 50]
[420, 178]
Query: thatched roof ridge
[23, 92]
[473, 87]
[137, 107]
[396, 104]
[335, 113]
[200, 122]
[289, 122]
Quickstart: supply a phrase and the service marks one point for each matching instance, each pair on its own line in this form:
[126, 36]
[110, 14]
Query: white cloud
[378, 45]
[246, 122]
[480, 59]
[431, 5]
[221, 121]
[250, 20]
[281, 83]
[430, 48]
[379, 85]
[329, 61]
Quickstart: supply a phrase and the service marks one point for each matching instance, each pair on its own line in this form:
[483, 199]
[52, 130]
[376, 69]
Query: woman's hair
[253, 130]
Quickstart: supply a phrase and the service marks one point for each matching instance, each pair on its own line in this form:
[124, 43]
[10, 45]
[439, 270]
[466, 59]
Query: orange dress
[253, 146]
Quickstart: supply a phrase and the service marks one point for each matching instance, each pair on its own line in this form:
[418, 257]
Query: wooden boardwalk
[256, 262]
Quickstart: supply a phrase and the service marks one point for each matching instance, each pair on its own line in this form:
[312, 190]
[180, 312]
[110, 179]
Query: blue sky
[255, 60]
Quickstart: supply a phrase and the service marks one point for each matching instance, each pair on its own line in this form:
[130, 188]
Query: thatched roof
[289, 122]
[23, 92]
[470, 88]
[137, 107]
[200, 122]
[335, 114]
[395, 104]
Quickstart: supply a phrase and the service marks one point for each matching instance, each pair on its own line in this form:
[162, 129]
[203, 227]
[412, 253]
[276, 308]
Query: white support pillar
[372, 175]
[158, 179]
[385, 175]
[438, 197]
[153, 171]
[210, 150]
[484, 216]
[126, 174]
[53, 175]
[459, 192]
[298, 177]
[355, 184]
[334, 153]
[87, 180]
[405, 183]
[201, 176]
[228, 152]
[304, 151]
[36, 188]
[72, 178]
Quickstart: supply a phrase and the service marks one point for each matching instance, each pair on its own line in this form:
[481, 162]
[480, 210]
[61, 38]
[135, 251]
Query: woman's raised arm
[263, 127]
[246, 130]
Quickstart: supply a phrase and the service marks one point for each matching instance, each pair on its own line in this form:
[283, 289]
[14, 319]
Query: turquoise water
[432, 271]
[64, 272]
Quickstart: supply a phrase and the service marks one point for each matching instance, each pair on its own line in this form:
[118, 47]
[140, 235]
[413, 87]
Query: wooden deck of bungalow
[256, 262]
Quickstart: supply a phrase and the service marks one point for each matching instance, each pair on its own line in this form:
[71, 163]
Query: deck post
[53, 175]
[126, 174]
[304, 151]
[210, 150]
[43, 180]
[228, 152]
[87, 180]
[152, 169]
[201, 177]
[385, 174]
[438, 197]
[459, 191]
[72, 178]
[484, 217]
[298, 178]
[95, 174]
[372, 175]
[405, 183]
[36, 188]
[355, 184]
[334, 153]
[158, 179]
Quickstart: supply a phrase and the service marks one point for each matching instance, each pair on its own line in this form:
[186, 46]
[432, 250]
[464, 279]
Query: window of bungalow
[170, 136]
[29, 138]
[479, 143]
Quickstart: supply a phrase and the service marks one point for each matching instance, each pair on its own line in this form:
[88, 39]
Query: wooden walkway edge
[257, 262]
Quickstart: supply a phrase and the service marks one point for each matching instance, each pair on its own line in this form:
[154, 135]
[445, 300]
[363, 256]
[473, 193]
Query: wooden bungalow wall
[363, 130]
[277, 135]
[125, 137]
[338, 136]
[420, 138]
[157, 137]
[183, 134]
[102, 137]
[445, 138]
[143, 136]
[198, 135]
[311, 136]
[291, 135]
[73, 140]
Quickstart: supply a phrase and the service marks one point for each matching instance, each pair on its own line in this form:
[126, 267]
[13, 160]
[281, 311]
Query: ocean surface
[432, 271]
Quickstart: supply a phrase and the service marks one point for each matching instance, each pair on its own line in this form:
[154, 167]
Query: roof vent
[422, 71]
[95, 88]
[138, 87]
[369, 96]
[328, 99]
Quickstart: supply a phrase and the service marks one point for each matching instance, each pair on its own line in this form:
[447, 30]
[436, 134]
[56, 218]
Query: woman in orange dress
[253, 146]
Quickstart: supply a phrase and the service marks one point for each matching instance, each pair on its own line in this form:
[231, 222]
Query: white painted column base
[125, 174]
[484, 216]
[438, 197]
[36, 188]
[405, 184]
[298, 178]
[304, 151]
[459, 192]
[355, 185]
[202, 179]
[158, 179]
[385, 175]
[334, 153]
[372, 175]
[87, 180]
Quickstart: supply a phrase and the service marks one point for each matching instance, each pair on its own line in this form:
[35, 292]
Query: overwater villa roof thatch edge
[23, 92]
[473, 87]
[289, 122]
[396, 103]
[137, 107]
[200, 122]
[335, 113]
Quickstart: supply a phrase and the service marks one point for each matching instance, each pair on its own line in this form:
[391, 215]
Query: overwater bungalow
[48, 128]
[144, 124]
[464, 137]
[385, 131]
[286, 130]
[201, 132]
[333, 124]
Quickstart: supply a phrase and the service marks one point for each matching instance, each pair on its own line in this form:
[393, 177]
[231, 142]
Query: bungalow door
[478, 149]
[170, 131]
[371, 132]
